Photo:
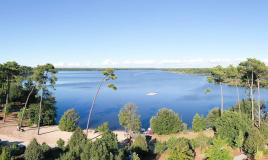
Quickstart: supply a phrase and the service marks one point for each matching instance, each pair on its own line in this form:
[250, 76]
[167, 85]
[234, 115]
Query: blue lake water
[185, 94]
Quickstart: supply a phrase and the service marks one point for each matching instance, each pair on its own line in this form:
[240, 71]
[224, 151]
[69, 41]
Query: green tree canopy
[69, 120]
[34, 151]
[199, 123]
[166, 121]
[129, 119]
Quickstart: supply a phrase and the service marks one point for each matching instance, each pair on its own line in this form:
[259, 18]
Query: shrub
[201, 141]
[140, 145]
[135, 156]
[103, 128]
[254, 141]
[77, 142]
[96, 150]
[110, 140]
[69, 121]
[5, 154]
[199, 123]
[165, 122]
[212, 117]
[258, 155]
[219, 150]
[48, 112]
[160, 147]
[60, 144]
[264, 129]
[33, 151]
[230, 124]
[180, 149]
[67, 156]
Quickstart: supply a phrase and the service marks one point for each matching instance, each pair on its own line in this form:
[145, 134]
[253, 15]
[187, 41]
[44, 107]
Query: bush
[219, 150]
[160, 147]
[180, 149]
[77, 142]
[135, 156]
[264, 129]
[48, 112]
[165, 122]
[201, 141]
[199, 123]
[254, 141]
[212, 117]
[230, 124]
[67, 156]
[139, 145]
[60, 144]
[69, 121]
[34, 151]
[5, 154]
[103, 128]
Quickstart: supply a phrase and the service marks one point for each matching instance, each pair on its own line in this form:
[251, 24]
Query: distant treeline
[177, 70]
[204, 71]
[101, 69]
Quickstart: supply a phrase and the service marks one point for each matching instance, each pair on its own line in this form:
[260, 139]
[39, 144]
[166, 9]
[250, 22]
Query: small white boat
[152, 94]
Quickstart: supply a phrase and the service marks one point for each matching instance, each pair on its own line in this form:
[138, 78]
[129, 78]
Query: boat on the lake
[152, 94]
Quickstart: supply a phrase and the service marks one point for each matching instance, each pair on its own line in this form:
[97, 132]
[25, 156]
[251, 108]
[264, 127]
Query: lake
[183, 93]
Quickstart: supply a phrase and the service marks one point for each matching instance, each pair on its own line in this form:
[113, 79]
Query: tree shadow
[49, 132]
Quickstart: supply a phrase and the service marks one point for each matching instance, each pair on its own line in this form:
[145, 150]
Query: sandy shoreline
[48, 134]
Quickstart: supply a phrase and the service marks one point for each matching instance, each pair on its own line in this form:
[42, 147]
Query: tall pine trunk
[7, 100]
[238, 97]
[93, 103]
[259, 103]
[25, 105]
[252, 98]
[221, 99]
[40, 112]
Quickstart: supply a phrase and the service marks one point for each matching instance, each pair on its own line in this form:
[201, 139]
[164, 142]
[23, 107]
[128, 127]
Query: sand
[48, 134]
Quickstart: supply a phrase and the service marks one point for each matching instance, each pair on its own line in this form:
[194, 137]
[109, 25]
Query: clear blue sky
[133, 33]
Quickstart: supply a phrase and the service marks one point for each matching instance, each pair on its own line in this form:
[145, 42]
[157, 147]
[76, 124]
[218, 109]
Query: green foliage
[135, 156]
[160, 147]
[34, 151]
[69, 120]
[61, 144]
[258, 155]
[68, 156]
[103, 128]
[5, 154]
[201, 141]
[254, 141]
[103, 148]
[252, 65]
[212, 117]
[199, 123]
[239, 140]
[245, 106]
[48, 112]
[264, 129]
[230, 124]
[219, 150]
[180, 149]
[76, 142]
[165, 122]
[129, 119]
[139, 145]
[218, 74]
